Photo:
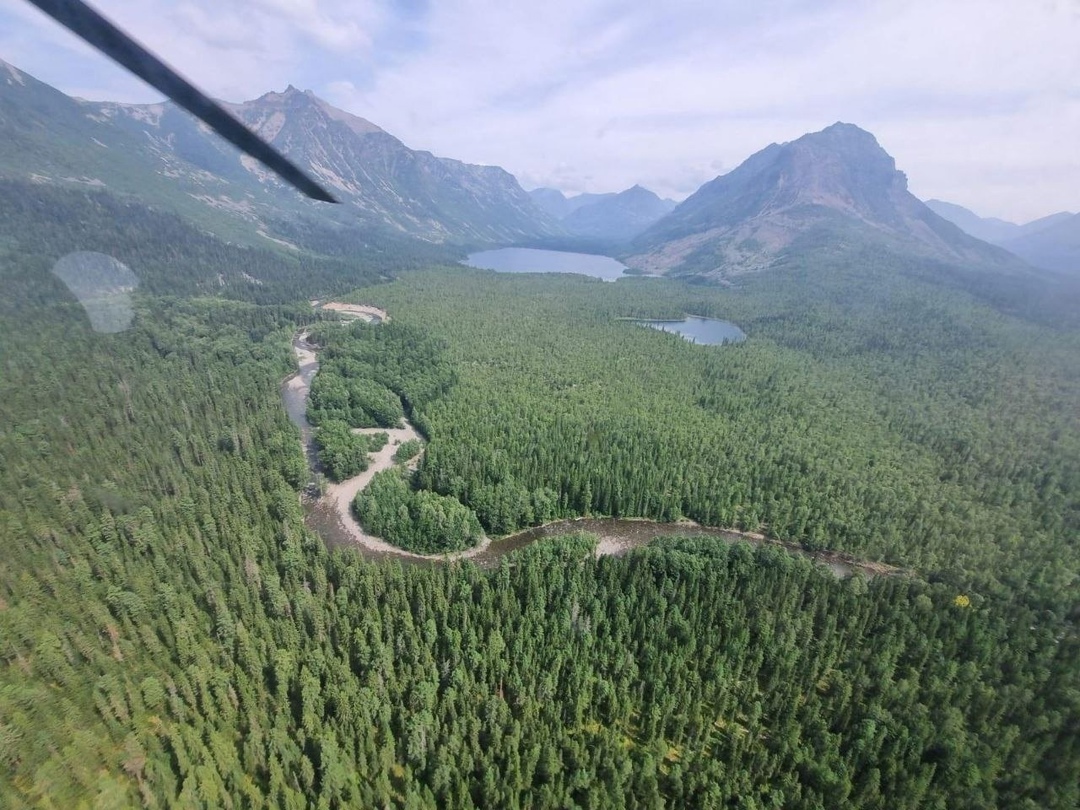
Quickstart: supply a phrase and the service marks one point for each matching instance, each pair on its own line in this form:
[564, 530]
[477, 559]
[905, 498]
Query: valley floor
[613, 536]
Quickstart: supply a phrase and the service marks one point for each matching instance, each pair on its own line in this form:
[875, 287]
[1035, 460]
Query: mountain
[47, 137]
[831, 191]
[619, 216]
[989, 229]
[551, 201]
[1051, 242]
[1054, 247]
[1041, 224]
[554, 202]
[436, 198]
[611, 217]
[162, 154]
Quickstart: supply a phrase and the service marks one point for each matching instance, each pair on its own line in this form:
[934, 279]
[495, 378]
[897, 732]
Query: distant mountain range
[1051, 242]
[826, 190]
[163, 155]
[827, 194]
[615, 217]
[558, 205]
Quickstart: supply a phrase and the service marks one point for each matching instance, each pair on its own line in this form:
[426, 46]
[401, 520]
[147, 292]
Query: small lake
[703, 331]
[531, 260]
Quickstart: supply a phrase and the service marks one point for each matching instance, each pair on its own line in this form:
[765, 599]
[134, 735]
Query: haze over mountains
[991, 229]
[1051, 242]
[827, 193]
[615, 216]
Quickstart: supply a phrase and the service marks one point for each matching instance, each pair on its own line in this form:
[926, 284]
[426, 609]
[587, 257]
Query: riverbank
[362, 311]
[332, 511]
[340, 496]
[617, 536]
[331, 515]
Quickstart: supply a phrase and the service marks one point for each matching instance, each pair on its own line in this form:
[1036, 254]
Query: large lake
[531, 260]
[705, 331]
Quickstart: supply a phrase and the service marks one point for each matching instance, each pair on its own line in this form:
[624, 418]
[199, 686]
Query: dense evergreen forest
[923, 429]
[39, 224]
[171, 635]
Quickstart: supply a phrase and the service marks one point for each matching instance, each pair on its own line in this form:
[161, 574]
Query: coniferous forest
[173, 635]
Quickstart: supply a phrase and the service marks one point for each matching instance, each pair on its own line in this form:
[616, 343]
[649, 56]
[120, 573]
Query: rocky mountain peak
[298, 105]
[382, 184]
[841, 167]
[838, 180]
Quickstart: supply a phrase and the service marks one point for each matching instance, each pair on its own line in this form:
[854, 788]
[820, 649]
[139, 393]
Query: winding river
[331, 517]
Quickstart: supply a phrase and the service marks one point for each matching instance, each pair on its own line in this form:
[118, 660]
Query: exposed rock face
[832, 186]
[381, 182]
[420, 194]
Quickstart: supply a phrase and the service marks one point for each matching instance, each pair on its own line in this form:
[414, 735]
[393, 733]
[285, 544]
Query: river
[330, 515]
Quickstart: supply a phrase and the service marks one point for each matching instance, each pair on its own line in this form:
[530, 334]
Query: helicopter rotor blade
[85, 22]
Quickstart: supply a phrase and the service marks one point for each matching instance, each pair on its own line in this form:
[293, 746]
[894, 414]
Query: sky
[978, 100]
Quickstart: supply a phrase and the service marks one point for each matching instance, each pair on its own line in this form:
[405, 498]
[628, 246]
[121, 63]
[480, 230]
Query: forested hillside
[882, 416]
[171, 635]
[164, 156]
[39, 225]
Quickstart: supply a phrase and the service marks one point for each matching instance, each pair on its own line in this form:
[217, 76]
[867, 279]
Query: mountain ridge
[413, 191]
[1055, 247]
[836, 187]
[837, 181]
[383, 184]
[989, 229]
[608, 217]
[1047, 242]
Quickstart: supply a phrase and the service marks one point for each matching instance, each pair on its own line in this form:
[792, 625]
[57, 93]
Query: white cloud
[235, 49]
[986, 83]
[975, 99]
[337, 26]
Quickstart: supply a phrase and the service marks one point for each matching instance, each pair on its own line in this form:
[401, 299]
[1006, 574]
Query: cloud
[975, 99]
[236, 49]
[614, 94]
[338, 27]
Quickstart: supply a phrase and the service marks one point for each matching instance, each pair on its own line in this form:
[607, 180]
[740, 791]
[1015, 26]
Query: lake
[703, 331]
[531, 260]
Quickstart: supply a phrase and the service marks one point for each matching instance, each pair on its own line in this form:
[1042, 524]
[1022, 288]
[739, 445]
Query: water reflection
[530, 260]
[705, 331]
